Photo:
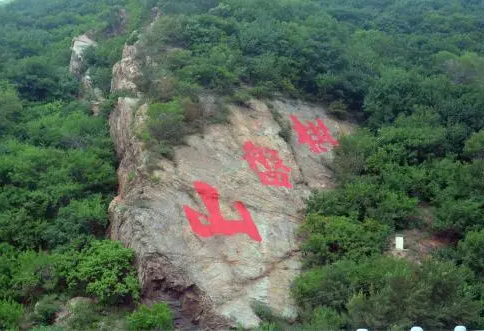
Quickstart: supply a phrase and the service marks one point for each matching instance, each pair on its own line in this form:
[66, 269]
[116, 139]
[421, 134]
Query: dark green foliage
[10, 108]
[156, 317]
[166, 122]
[471, 251]
[329, 239]
[474, 146]
[412, 70]
[382, 292]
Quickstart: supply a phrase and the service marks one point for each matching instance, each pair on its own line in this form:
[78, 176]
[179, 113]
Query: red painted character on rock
[267, 164]
[315, 135]
[214, 223]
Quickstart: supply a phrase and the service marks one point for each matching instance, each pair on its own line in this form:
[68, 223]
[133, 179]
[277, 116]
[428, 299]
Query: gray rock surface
[78, 46]
[127, 71]
[216, 279]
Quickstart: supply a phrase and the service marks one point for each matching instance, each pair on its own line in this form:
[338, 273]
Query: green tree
[471, 251]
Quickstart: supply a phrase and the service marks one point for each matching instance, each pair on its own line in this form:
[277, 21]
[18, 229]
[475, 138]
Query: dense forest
[57, 168]
[410, 72]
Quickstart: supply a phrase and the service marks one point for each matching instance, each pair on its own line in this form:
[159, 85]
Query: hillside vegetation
[410, 71]
[57, 166]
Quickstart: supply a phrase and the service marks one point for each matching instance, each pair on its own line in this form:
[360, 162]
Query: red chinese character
[315, 135]
[267, 164]
[214, 223]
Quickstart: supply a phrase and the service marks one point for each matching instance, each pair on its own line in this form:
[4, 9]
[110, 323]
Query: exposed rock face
[216, 278]
[78, 45]
[126, 72]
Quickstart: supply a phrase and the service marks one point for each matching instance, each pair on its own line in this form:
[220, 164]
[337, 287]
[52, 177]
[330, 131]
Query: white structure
[415, 328]
[460, 328]
[399, 244]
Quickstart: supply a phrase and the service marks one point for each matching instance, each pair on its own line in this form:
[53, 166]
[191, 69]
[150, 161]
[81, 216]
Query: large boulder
[163, 208]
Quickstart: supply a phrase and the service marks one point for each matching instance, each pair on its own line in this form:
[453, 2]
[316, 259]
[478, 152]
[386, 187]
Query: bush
[34, 275]
[105, 270]
[166, 122]
[338, 109]
[10, 314]
[83, 317]
[45, 310]
[158, 316]
[326, 319]
[471, 251]
[333, 238]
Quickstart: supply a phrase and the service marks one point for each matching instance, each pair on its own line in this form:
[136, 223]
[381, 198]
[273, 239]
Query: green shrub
[271, 320]
[133, 38]
[471, 251]
[10, 314]
[166, 122]
[325, 318]
[333, 238]
[158, 316]
[34, 275]
[104, 270]
[338, 109]
[84, 316]
[266, 326]
[45, 309]
[240, 98]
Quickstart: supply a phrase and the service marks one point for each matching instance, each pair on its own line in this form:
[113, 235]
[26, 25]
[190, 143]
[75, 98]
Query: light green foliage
[104, 270]
[329, 239]
[10, 314]
[325, 318]
[156, 317]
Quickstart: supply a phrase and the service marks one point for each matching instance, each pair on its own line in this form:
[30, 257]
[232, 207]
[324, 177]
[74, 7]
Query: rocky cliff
[216, 227]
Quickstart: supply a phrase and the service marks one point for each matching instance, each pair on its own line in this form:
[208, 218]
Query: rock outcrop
[127, 71]
[78, 46]
[217, 278]
[89, 92]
